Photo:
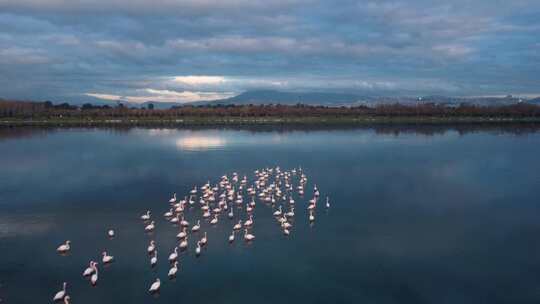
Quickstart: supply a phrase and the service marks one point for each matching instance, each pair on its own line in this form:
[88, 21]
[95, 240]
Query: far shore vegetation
[18, 113]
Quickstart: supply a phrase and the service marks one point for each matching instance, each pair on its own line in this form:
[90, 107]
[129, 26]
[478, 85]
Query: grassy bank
[128, 121]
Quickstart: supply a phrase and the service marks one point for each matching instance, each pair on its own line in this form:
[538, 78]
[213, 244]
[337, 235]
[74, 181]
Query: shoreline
[217, 121]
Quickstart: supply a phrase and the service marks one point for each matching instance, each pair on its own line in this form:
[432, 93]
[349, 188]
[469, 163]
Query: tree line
[46, 110]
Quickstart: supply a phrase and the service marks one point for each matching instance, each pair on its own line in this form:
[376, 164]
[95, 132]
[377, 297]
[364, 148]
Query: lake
[433, 214]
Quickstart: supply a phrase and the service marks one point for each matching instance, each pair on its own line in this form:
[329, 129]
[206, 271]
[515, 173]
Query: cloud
[162, 96]
[61, 50]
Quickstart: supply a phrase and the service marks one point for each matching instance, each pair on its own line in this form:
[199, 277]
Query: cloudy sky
[166, 50]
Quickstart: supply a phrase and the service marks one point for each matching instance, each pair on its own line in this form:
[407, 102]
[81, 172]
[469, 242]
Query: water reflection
[199, 143]
[420, 214]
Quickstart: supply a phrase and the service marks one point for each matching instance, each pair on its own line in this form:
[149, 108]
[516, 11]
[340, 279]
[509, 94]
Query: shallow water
[417, 216]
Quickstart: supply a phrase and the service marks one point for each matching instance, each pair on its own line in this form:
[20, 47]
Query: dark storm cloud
[190, 50]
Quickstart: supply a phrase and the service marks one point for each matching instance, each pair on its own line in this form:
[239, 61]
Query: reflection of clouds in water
[24, 226]
[158, 132]
[199, 143]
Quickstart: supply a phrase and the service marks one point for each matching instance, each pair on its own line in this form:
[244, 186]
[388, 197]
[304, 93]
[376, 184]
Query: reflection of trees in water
[23, 132]
[383, 129]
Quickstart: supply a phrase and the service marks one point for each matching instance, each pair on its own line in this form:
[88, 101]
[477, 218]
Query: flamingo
[196, 227]
[173, 256]
[155, 286]
[204, 239]
[311, 216]
[278, 212]
[61, 294]
[182, 234]
[231, 213]
[88, 271]
[151, 247]
[249, 222]
[231, 237]
[153, 260]
[214, 220]
[175, 219]
[248, 236]
[64, 247]
[168, 213]
[184, 222]
[327, 202]
[150, 227]
[184, 243]
[66, 299]
[198, 249]
[290, 213]
[146, 216]
[110, 233]
[173, 199]
[106, 258]
[94, 277]
[173, 270]
[238, 226]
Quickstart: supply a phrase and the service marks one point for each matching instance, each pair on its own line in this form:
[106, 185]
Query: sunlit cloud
[164, 96]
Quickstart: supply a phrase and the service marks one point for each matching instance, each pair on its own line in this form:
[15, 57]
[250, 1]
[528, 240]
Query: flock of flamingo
[271, 186]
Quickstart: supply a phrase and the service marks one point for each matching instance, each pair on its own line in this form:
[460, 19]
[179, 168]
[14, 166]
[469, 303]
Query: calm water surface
[417, 217]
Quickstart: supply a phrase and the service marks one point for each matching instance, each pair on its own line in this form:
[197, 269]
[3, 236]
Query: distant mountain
[535, 101]
[348, 99]
[291, 98]
[332, 99]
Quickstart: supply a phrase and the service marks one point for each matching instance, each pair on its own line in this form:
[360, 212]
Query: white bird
[64, 247]
[94, 277]
[231, 237]
[231, 213]
[106, 258]
[290, 213]
[184, 243]
[110, 233]
[173, 256]
[168, 213]
[311, 216]
[61, 294]
[173, 270]
[248, 222]
[184, 222]
[88, 271]
[173, 199]
[146, 216]
[153, 260]
[155, 286]
[150, 227]
[327, 202]
[278, 212]
[198, 249]
[248, 236]
[204, 239]
[182, 234]
[151, 247]
[214, 220]
[196, 227]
